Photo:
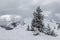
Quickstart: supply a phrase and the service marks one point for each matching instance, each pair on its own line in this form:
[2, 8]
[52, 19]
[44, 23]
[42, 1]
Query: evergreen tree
[28, 28]
[37, 20]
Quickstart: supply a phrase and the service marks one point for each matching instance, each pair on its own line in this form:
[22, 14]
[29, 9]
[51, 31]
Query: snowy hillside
[20, 32]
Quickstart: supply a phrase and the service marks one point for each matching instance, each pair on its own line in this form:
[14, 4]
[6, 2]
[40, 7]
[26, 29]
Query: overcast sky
[25, 8]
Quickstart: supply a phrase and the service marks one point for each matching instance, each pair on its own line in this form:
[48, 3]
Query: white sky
[26, 7]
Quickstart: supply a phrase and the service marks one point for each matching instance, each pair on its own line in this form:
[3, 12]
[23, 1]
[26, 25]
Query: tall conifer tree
[37, 20]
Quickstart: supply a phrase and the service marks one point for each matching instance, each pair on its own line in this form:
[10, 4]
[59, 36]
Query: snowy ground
[20, 33]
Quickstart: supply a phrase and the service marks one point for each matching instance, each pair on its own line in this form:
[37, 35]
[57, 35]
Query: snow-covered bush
[50, 27]
[58, 26]
[28, 28]
[9, 21]
[27, 22]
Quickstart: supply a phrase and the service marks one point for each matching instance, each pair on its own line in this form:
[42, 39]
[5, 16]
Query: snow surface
[20, 33]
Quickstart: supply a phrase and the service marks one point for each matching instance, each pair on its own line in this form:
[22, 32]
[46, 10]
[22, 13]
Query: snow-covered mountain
[10, 21]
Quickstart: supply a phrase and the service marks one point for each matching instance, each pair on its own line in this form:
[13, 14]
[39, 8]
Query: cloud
[45, 2]
[57, 15]
[8, 4]
[27, 7]
[20, 7]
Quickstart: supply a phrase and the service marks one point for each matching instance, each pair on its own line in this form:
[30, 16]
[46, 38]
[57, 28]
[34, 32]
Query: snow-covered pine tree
[37, 20]
[28, 28]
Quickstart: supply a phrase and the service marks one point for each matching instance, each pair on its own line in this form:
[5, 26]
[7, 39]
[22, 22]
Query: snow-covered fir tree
[37, 20]
[28, 28]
